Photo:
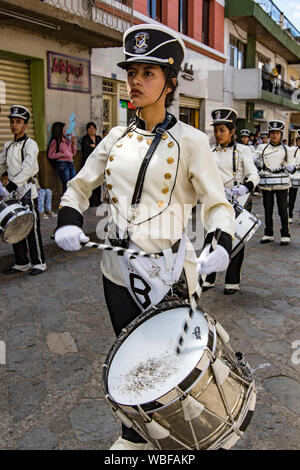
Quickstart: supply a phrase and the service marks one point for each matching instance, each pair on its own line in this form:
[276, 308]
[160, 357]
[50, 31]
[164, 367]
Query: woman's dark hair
[90, 124]
[169, 75]
[56, 134]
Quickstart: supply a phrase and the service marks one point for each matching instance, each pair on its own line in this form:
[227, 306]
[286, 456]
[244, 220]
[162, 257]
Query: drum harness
[276, 170]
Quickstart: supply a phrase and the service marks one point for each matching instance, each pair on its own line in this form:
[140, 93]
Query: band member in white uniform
[245, 135]
[293, 189]
[19, 161]
[151, 191]
[239, 176]
[276, 158]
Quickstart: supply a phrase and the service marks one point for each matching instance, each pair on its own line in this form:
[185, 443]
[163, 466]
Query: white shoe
[123, 444]
[267, 239]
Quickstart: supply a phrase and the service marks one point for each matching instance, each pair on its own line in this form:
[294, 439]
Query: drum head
[18, 227]
[146, 365]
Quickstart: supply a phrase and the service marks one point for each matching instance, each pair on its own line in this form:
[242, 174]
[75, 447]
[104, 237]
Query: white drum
[295, 179]
[16, 221]
[272, 181]
[246, 225]
[202, 398]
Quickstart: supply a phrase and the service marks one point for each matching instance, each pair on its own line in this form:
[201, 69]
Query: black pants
[32, 243]
[292, 200]
[282, 205]
[122, 310]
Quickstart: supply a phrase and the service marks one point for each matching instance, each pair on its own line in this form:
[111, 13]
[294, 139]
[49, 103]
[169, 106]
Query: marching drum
[295, 179]
[272, 181]
[202, 398]
[16, 221]
[246, 225]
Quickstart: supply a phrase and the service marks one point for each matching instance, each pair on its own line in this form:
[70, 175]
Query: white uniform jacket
[236, 166]
[274, 158]
[20, 160]
[181, 171]
[296, 154]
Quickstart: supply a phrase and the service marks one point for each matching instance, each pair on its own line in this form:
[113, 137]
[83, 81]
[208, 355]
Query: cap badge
[141, 42]
[218, 115]
[275, 124]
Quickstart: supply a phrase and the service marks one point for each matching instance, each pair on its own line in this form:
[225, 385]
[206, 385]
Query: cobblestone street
[57, 335]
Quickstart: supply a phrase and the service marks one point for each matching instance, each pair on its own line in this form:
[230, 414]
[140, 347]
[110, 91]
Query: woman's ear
[174, 82]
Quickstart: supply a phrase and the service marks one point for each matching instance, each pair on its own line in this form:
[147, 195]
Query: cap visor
[126, 64]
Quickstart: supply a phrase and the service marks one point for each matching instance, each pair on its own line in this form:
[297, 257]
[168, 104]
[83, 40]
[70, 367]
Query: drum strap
[142, 172]
[265, 168]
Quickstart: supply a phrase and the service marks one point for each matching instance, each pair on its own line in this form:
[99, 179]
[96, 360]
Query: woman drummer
[155, 171]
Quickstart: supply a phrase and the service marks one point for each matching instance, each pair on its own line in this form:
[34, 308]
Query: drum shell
[295, 179]
[208, 428]
[246, 225]
[211, 431]
[16, 221]
[272, 181]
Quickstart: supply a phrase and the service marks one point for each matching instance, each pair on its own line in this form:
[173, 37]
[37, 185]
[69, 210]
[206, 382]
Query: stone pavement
[57, 334]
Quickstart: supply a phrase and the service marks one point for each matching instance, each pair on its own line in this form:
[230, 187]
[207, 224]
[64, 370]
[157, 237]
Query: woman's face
[145, 83]
[91, 131]
[222, 134]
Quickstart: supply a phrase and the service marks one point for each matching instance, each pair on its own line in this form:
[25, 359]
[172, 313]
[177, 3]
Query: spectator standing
[267, 76]
[62, 149]
[88, 144]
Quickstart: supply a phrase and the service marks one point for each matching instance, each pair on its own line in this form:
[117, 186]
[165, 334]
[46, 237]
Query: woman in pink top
[62, 149]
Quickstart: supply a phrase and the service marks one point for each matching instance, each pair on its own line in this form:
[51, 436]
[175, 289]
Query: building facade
[45, 57]
[254, 32]
[201, 24]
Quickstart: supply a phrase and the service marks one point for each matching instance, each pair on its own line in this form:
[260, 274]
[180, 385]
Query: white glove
[217, 260]
[290, 167]
[239, 190]
[69, 237]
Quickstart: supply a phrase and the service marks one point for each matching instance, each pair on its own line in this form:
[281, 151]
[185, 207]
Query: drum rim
[151, 405]
[13, 217]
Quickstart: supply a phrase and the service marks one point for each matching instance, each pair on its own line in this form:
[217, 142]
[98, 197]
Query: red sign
[68, 73]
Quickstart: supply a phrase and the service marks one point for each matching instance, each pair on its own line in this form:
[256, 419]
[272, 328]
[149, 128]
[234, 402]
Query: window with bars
[237, 53]
[107, 86]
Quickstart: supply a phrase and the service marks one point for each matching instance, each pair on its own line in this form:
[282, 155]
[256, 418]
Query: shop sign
[68, 73]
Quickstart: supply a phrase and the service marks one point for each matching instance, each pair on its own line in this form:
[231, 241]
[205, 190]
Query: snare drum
[274, 181]
[246, 225]
[295, 179]
[16, 221]
[202, 398]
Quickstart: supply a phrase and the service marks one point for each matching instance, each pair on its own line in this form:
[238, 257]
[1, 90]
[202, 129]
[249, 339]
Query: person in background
[62, 149]
[293, 189]
[44, 201]
[267, 76]
[88, 144]
[18, 166]
[275, 157]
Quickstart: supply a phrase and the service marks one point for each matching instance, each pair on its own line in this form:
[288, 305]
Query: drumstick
[120, 251]
[188, 321]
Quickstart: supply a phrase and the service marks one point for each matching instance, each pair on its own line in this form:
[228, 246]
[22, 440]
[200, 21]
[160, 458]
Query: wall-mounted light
[29, 19]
